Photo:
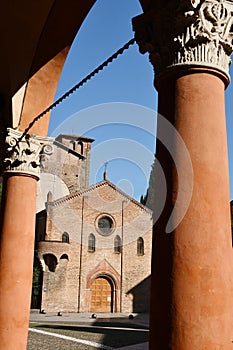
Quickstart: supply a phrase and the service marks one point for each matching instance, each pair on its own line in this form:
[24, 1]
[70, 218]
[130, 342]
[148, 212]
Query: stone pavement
[108, 319]
[139, 319]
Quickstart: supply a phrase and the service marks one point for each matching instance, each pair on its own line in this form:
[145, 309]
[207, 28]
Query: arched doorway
[102, 295]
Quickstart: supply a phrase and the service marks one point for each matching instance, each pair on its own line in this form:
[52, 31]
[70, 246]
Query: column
[22, 166]
[189, 45]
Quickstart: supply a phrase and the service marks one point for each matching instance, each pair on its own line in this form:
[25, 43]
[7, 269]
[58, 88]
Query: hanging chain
[78, 85]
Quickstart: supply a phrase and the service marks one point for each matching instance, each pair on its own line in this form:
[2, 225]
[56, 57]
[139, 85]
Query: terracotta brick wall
[62, 285]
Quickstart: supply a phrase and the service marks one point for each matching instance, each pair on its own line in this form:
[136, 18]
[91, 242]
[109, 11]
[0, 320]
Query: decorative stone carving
[25, 154]
[187, 32]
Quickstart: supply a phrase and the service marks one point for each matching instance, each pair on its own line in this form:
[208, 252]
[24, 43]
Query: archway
[43, 55]
[102, 295]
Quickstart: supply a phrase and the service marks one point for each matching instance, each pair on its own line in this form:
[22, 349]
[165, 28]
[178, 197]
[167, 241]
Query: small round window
[105, 225]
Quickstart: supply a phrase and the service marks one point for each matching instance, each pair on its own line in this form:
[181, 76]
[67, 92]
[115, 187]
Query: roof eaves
[99, 184]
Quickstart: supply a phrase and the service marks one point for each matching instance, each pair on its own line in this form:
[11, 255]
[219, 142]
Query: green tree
[143, 198]
[148, 198]
[36, 283]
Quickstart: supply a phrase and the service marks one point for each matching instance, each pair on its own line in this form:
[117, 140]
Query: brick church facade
[93, 243]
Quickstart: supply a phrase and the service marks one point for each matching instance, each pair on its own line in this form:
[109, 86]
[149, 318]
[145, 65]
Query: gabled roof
[98, 185]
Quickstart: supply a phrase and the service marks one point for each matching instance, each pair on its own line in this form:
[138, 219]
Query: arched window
[91, 243]
[80, 143]
[49, 196]
[140, 246]
[64, 257]
[72, 145]
[65, 237]
[117, 244]
[51, 261]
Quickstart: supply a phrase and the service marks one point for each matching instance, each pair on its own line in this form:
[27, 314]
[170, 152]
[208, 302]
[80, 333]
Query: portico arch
[39, 94]
[34, 49]
[44, 51]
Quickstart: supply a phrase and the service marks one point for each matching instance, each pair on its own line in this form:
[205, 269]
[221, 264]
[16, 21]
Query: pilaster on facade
[24, 154]
[187, 33]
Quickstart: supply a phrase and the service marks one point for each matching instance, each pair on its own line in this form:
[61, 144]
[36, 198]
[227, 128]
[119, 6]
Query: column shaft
[191, 304]
[16, 261]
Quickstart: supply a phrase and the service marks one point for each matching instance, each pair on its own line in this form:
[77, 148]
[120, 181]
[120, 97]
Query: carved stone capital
[187, 32]
[25, 154]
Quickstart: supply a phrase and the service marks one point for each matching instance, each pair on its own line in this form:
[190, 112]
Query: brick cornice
[95, 186]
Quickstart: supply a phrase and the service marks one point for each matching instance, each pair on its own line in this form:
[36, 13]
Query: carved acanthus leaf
[188, 32]
[24, 155]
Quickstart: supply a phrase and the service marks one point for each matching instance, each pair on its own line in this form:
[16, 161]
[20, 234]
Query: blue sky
[118, 106]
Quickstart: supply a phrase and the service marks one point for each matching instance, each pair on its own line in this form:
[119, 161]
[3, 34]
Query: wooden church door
[101, 295]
